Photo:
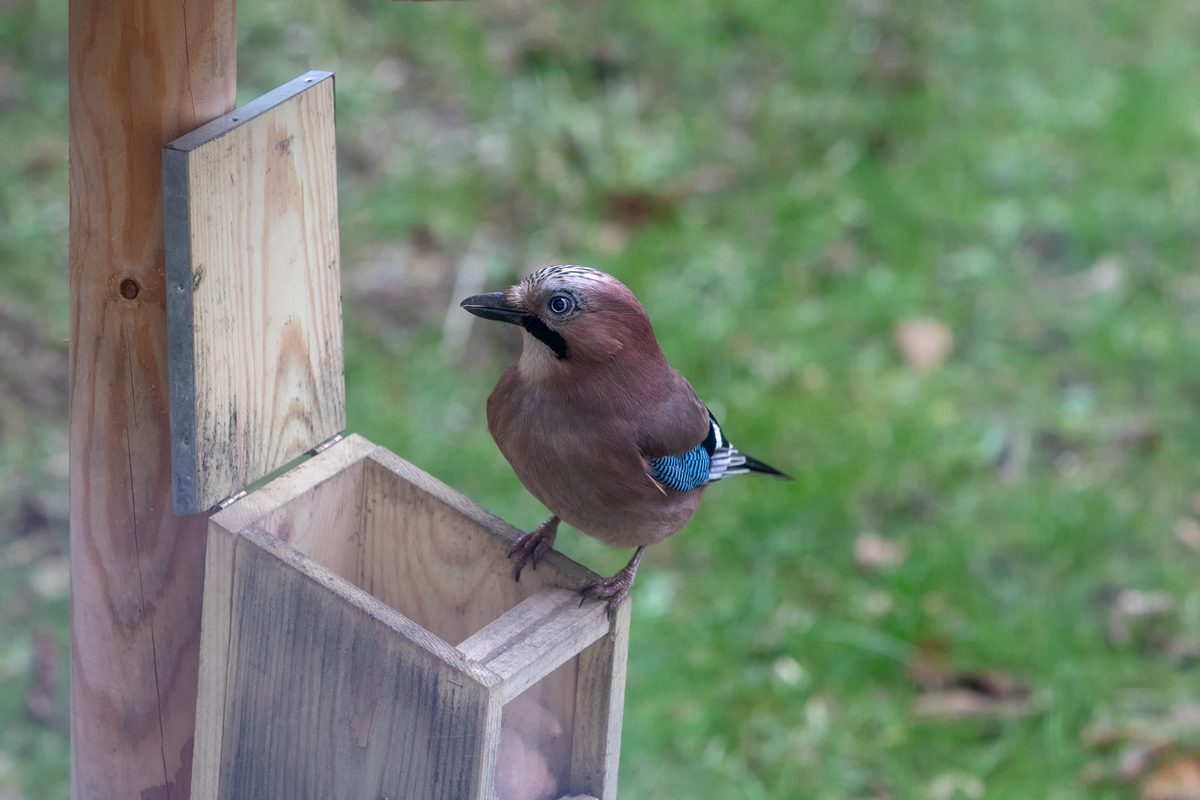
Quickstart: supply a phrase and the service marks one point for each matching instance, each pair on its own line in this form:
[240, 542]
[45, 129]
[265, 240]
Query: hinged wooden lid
[253, 291]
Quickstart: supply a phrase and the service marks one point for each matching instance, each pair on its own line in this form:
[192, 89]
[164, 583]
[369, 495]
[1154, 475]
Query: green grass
[781, 184]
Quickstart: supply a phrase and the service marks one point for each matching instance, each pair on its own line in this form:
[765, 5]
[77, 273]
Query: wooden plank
[330, 693]
[532, 640]
[465, 542]
[294, 484]
[140, 73]
[214, 646]
[254, 291]
[599, 707]
[442, 560]
[315, 507]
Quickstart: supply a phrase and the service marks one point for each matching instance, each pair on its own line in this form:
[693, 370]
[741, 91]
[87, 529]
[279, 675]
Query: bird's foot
[531, 547]
[614, 590]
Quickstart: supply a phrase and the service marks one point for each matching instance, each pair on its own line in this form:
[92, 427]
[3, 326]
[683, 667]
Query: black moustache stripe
[546, 336]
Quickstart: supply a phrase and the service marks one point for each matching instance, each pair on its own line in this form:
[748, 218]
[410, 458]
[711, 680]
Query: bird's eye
[560, 304]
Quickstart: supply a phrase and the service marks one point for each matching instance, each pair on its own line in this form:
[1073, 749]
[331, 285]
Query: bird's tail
[754, 465]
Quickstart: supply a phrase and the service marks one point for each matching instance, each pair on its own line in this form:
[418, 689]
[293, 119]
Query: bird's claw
[612, 591]
[533, 546]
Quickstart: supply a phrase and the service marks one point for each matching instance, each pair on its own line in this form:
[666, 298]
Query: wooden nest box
[363, 636]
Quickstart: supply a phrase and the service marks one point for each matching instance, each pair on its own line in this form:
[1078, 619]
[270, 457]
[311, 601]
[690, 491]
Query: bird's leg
[616, 588]
[533, 545]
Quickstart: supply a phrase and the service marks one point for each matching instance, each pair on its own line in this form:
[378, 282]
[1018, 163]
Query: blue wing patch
[709, 461]
[694, 468]
[682, 473]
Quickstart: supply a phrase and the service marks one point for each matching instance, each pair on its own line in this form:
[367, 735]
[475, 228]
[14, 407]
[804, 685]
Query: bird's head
[571, 315]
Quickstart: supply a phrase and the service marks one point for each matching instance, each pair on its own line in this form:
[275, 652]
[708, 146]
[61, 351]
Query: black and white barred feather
[710, 461]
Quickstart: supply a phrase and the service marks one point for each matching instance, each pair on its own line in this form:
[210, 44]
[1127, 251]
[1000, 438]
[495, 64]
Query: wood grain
[254, 291]
[530, 641]
[330, 693]
[442, 560]
[599, 709]
[141, 72]
[388, 539]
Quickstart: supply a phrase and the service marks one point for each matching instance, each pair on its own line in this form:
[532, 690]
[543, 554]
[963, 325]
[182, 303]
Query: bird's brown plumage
[578, 430]
[587, 408]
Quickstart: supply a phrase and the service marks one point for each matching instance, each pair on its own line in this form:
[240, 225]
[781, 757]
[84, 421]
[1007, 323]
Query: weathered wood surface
[136, 570]
[330, 693]
[443, 560]
[530, 641]
[599, 710]
[440, 558]
[254, 291]
[392, 540]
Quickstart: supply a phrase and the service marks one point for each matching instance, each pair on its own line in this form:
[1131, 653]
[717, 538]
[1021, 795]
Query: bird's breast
[584, 465]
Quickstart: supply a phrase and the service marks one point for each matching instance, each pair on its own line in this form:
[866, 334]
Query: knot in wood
[129, 288]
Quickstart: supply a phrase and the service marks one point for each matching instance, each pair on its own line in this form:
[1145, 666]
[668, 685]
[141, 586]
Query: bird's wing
[726, 459]
[676, 424]
[710, 461]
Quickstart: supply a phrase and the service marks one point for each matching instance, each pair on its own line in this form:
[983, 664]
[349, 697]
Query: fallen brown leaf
[951, 704]
[929, 666]
[1100, 278]
[1186, 715]
[1142, 741]
[1135, 759]
[924, 342]
[840, 256]
[951, 696]
[1175, 780]
[1134, 604]
[872, 551]
[1187, 531]
[950, 785]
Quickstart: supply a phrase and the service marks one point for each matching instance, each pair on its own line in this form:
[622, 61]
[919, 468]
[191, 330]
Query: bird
[596, 424]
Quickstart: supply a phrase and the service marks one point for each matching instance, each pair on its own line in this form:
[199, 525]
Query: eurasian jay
[594, 421]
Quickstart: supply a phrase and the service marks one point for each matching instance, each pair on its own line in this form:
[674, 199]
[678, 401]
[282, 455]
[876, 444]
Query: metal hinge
[325, 445]
[227, 502]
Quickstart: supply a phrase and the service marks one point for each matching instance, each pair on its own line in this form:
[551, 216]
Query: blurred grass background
[1011, 525]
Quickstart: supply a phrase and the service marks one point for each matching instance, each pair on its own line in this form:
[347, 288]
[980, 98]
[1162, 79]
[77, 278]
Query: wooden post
[141, 72]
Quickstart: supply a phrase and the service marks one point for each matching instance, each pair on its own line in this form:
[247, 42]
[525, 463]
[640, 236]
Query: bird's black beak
[494, 306]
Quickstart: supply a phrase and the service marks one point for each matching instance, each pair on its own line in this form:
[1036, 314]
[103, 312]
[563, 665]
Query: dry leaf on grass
[1187, 531]
[951, 785]
[1141, 743]
[924, 342]
[1134, 604]
[929, 666]
[872, 551]
[988, 693]
[952, 704]
[1100, 278]
[949, 695]
[1135, 759]
[1175, 780]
